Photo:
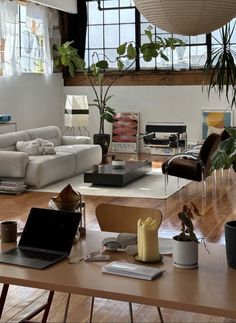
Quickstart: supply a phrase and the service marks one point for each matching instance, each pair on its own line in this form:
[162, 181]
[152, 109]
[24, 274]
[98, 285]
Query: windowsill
[131, 78]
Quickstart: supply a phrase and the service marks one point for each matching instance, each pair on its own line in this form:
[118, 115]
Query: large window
[26, 36]
[119, 21]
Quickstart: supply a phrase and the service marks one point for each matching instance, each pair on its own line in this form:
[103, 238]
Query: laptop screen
[50, 229]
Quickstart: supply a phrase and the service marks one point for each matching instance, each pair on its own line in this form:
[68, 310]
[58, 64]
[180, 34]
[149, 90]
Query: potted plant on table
[185, 245]
[66, 55]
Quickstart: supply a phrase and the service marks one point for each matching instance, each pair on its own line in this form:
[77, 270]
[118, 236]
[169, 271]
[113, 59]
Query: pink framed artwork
[124, 132]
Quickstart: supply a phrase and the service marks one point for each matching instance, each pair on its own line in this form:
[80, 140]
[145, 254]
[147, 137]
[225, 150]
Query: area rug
[149, 186]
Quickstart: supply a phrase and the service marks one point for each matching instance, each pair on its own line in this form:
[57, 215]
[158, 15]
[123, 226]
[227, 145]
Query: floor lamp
[77, 114]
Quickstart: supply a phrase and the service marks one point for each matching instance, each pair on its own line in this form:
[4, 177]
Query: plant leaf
[121, 49]
[103, 64]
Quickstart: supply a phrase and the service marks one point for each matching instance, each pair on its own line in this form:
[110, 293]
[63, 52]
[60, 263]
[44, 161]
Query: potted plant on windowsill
[185, 244]
[66, 55]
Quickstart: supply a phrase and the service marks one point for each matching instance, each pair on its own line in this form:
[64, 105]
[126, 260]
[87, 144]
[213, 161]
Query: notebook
[46, 239]
[132, 270]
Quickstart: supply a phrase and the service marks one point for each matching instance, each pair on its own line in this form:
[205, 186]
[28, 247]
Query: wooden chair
[123, 219]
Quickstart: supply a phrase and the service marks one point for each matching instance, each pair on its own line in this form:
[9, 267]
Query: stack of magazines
[132, 270]
[12, 186]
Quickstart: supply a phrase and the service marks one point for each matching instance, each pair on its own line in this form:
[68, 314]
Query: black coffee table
[118, 177]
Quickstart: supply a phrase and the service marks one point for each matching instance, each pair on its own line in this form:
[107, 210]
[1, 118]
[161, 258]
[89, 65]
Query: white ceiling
[67, 6]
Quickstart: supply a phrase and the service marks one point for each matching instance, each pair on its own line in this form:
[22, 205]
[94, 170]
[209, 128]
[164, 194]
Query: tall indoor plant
[66, 55]
[221, 68]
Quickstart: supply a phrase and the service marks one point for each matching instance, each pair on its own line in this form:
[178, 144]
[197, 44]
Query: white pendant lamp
[187, 17]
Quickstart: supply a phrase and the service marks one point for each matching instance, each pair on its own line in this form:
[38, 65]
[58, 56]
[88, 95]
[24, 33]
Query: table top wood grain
[209, 289]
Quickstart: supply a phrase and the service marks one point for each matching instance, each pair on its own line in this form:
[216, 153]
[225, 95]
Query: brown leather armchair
[191, 166]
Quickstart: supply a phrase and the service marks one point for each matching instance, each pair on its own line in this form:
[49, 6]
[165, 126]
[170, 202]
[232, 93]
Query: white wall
[37, 100]
[32, 100]
[158, 104]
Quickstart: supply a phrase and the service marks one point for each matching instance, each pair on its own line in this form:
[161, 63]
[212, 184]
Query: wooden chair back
[123, 219]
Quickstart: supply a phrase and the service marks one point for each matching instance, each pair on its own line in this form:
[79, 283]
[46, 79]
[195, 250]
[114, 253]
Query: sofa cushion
[13, 164]
[85, 155]
[36, 147]
[76, 140]
[47, 169]
[50, 133]
[8, 140]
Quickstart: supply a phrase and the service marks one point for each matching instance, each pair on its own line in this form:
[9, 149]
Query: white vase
[185, 254]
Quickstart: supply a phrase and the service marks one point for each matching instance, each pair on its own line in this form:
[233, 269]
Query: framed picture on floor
[125, 129]
[215, 121]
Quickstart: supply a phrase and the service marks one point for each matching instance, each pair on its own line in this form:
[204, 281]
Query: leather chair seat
[192, 167]
[184, 168]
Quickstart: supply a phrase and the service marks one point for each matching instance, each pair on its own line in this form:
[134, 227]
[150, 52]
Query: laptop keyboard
[32, 254]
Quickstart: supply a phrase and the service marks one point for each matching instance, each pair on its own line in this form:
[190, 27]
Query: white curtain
[10, 58]
[31, 51]
[36, 54]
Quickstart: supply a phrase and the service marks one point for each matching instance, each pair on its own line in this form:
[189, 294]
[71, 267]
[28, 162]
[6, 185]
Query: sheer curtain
[37, 49]
[26, 46]
[9, 38]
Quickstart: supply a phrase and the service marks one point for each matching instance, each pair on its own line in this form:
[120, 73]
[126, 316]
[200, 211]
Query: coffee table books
[12, 186]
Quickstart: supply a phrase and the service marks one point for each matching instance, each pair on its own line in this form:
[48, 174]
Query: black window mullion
[137, 36]
[103, 21]
[209, 45]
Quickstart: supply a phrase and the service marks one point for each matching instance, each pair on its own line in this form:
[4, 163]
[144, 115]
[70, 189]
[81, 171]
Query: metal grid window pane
[111, 36]
[95, 37]
[127, 32]
[111, 17]
[190, 56]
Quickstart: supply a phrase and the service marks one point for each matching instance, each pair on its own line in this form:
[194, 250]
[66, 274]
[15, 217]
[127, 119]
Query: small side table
[9, 123]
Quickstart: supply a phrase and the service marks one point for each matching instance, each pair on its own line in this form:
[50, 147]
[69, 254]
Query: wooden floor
[218, 207]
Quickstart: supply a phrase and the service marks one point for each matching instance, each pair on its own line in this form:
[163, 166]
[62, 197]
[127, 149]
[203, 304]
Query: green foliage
[225, 155]
[67, 56]
[221, 67]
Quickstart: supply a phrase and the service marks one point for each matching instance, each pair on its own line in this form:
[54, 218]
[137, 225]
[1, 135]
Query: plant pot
[230, 243]
[103, 140]
[185, 253]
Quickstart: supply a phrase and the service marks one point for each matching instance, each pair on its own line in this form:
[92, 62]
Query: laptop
[46, 239]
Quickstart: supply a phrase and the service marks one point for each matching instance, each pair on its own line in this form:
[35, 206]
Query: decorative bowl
[118, 163]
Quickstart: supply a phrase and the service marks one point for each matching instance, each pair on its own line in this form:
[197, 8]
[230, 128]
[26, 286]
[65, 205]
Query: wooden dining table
[209, 289]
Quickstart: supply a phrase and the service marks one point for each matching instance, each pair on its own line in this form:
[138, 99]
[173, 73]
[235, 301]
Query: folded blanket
[36, 147]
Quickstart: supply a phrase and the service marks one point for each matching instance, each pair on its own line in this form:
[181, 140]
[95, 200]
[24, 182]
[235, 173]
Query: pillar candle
[148, 249]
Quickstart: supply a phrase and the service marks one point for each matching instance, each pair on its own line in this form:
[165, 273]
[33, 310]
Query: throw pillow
[36, 147]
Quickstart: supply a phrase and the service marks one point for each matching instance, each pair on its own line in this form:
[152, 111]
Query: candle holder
[148, 249]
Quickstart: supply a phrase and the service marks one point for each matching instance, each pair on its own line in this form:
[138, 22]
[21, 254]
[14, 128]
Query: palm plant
[67, 55]
[221, 66]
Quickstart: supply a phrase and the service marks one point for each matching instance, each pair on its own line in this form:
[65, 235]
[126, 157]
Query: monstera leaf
[225, 155]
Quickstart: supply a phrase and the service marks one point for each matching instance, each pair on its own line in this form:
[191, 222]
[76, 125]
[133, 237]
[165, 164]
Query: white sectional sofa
[73, 155]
